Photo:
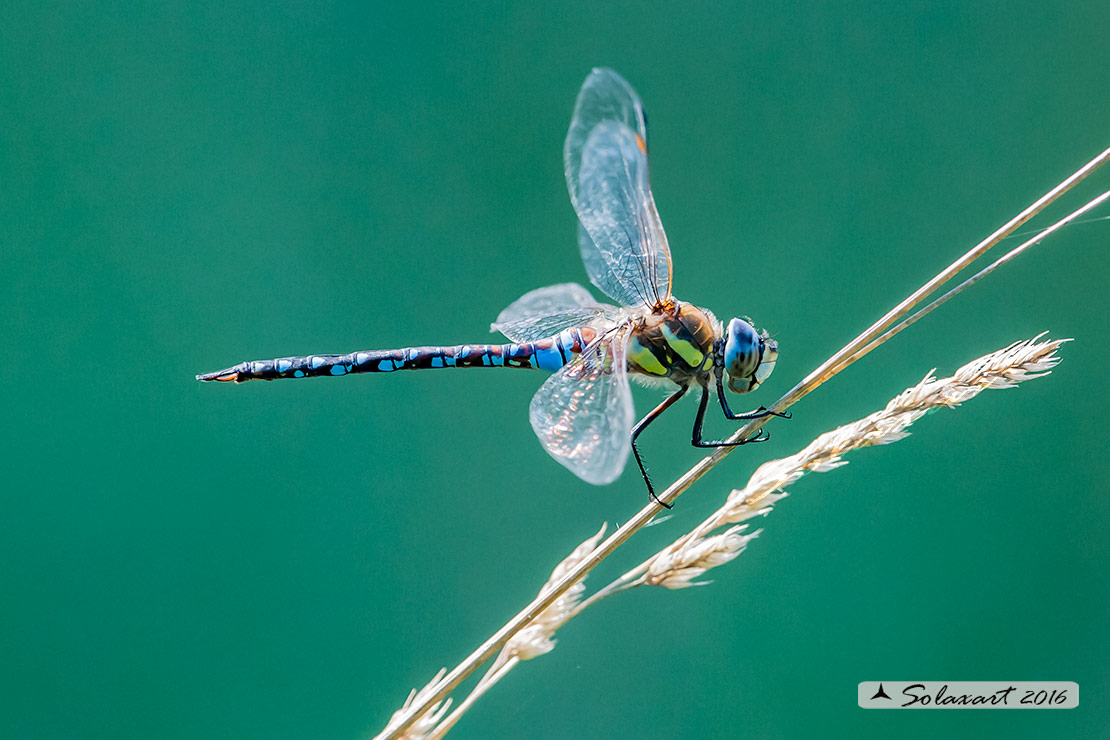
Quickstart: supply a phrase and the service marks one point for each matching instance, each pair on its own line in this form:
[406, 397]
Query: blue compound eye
[742, 355]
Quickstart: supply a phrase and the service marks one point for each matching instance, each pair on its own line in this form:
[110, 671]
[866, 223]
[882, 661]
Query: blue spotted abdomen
[546, 354]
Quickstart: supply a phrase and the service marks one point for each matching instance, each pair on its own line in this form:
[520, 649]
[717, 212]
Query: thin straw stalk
[691, 556]
[846, 355]
[920, 314]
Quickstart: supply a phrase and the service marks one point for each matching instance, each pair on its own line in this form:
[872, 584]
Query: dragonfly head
[749, 356]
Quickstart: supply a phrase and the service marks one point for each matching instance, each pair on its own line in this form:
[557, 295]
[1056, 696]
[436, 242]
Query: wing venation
[545, 312]
[623, 244]
[583, 414]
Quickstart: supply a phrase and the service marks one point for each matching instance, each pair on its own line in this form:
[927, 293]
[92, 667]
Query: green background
[184, 186]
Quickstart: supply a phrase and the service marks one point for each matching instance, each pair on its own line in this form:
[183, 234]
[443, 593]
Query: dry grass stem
[492, 677]
[836, 363]
[692, 555]
[537, 638]
[425, 722]
[679, 567]
[920, 314]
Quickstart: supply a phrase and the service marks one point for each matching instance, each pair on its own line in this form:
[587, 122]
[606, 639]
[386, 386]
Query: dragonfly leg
[640, 426]
[697, 440]
[759, 413]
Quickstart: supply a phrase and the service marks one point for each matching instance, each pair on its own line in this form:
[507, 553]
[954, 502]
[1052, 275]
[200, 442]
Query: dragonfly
[583, 413]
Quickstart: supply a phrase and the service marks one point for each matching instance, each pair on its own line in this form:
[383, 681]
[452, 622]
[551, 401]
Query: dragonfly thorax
[674, 342]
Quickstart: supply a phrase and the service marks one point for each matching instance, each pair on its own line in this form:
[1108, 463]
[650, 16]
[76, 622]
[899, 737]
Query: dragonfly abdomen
[545, 354]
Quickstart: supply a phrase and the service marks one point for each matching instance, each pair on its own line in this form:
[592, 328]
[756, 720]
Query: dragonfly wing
[623, 244]
[583, 413]
[545, 312]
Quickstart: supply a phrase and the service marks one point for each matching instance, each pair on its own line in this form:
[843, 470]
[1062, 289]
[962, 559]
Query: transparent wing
[583, 413]
[623, 244]
[545, 312]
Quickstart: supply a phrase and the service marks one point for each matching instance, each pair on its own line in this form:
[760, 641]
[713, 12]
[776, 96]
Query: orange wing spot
[666, 306]
[641, 143]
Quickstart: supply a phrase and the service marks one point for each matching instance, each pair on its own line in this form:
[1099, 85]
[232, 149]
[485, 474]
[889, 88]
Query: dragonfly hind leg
[697, 440]
[640, 426]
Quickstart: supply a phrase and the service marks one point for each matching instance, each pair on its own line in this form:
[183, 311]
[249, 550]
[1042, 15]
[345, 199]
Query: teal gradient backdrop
[184, 186]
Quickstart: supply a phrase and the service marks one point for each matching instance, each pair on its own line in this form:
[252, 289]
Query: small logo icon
[880, 694]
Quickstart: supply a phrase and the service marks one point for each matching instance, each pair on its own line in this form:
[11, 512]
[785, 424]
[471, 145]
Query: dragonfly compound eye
[749, 357]
[769, 356]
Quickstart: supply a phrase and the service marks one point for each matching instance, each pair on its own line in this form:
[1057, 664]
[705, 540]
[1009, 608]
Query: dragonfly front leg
[697, 441]
[759, 413]
[652, 416]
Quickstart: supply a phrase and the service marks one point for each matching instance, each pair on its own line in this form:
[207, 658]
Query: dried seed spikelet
[677, 567]
[427, 722]
[536, 638]
[1003, 369]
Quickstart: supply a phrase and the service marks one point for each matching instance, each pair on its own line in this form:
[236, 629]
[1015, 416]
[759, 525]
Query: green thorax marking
[675, 343]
